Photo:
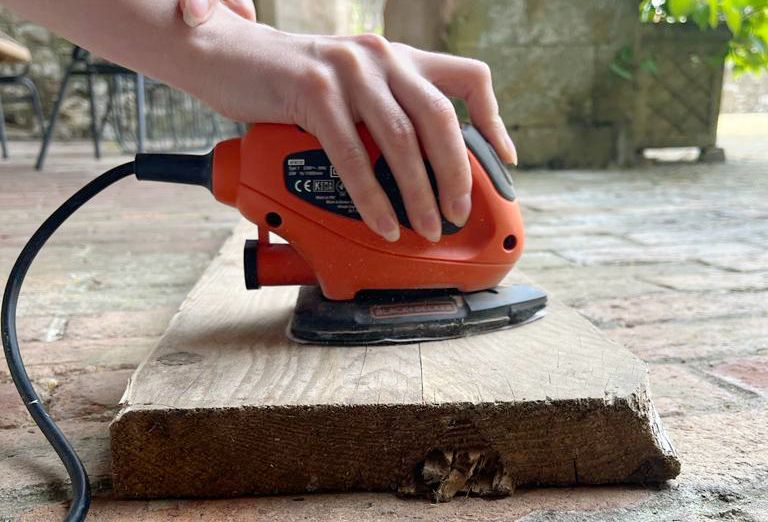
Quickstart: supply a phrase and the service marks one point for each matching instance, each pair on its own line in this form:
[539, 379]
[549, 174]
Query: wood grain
[226, 405]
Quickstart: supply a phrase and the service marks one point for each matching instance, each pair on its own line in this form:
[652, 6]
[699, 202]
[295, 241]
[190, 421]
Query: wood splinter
[472, 472]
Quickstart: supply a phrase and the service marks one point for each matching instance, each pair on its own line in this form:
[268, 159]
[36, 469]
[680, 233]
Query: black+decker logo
[413, 309]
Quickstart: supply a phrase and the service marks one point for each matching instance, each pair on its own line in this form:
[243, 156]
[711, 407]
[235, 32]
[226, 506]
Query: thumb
[196, 12]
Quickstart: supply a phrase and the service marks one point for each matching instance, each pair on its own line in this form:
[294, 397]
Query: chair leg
[174, 113]
[34, 97]
[215, 127]
[3, 140]
[54, 116]
[120, 121]
[90, 77]
[141, 122]
[110, 106]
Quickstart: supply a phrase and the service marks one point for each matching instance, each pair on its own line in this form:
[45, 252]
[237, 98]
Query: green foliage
[746, 19]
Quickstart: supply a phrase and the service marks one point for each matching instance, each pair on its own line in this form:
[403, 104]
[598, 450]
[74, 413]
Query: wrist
[238, 67]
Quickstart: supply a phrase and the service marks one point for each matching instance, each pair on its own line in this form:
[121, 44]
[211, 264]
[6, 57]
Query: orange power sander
[357, 288]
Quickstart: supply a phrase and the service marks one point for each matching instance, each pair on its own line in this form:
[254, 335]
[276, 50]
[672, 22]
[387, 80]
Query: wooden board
[226, 405]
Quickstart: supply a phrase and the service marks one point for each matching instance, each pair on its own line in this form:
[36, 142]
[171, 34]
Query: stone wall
[550, 60]
[554, 64]
[50, 55]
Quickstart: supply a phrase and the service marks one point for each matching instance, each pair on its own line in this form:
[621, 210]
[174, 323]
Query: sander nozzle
[267, 264]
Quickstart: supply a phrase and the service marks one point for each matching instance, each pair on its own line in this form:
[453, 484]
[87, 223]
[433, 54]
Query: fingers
[338, 135]
[470, 80]
[195, 12]
[244, 8]
[396, 136]
[438, 128]
[400, 94]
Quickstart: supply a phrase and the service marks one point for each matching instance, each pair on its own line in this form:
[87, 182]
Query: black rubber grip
[189, 169]
[486, 155]
[251, 264]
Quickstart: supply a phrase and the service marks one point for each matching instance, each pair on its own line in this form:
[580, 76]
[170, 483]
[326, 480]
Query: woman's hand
[401, 95]
[326, 84]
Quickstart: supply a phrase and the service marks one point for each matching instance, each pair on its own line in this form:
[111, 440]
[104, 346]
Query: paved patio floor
[670, 260]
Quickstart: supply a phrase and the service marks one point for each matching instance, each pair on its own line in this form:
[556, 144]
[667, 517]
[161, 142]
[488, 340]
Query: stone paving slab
[708, 280]
[696, 340]
[682, 390]
[628, 312]
[73, 356]
[362, 507]
[677, 253]
[750, 372]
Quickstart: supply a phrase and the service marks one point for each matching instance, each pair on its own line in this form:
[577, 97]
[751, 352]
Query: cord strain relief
[188, 169]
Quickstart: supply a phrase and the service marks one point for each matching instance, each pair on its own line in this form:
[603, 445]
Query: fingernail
[431, 226]
[388, 228]
[194, 12]
[460, 207]
[512, 150]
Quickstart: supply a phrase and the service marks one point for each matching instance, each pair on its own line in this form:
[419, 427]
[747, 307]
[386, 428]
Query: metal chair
[143, 113]
[82, 65]
[174, 120]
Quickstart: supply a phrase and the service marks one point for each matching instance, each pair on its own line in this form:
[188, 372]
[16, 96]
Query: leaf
[680, 8]
[620, 71]
[762, 31]
[700, 16]
[713, 13]
[649, 65]
[758, 44]
[741, 4]
[625, 55]
[733, 19]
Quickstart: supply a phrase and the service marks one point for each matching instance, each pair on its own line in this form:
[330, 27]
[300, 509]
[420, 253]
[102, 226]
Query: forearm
[150, 36]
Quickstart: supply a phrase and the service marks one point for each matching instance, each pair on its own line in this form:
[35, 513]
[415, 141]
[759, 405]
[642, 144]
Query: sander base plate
[407, 316]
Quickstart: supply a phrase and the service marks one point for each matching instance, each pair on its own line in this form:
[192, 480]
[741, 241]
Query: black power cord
[175, 168]
[81, 489]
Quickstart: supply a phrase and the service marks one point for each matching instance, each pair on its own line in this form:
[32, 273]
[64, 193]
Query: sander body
[360, 288]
